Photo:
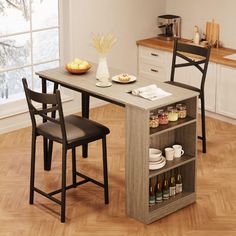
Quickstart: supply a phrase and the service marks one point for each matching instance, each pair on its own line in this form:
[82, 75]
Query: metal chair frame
[53, 104]
[180, 50]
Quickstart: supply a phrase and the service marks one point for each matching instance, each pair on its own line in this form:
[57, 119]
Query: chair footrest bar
[68, 187]
[90, 179]
[47, 196]
[200, 137]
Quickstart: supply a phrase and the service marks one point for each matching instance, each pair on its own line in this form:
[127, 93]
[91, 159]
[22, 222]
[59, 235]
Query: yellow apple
[83, 66]
[86, 63]
[74, 66]
[77, 61]
[68, 65]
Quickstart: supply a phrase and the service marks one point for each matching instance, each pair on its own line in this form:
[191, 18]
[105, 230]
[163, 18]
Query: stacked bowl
[156, 160]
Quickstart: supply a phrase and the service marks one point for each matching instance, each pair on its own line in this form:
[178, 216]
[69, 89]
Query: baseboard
[221, 117]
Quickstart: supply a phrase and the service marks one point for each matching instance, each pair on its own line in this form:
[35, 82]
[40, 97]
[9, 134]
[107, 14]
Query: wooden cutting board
[213, 33]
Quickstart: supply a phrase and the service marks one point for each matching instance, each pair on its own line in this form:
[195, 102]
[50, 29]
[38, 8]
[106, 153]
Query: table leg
[50, 147]
[85, 113]
[47, 145]
[47, 164]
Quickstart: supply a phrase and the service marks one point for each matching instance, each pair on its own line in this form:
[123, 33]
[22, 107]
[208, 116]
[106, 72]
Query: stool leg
[63, 184]
[74, 166]
[105, 175]
[32, 169]
[203, 124]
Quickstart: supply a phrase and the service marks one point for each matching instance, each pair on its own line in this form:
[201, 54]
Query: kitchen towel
[150, 92]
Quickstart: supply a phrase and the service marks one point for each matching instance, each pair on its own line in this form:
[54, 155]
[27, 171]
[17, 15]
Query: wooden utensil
[212, 33]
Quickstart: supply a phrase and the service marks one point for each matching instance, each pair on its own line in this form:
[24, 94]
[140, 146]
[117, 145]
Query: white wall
[128, 20]
[200, 11]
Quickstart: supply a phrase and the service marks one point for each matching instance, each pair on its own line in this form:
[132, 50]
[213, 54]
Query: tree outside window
[29, 41]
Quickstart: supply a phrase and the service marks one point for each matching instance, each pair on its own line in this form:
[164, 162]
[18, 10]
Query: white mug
[178, 151]
[169, 153]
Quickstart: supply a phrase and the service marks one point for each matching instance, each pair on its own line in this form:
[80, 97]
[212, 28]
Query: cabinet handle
[153, 70]
[154, 54]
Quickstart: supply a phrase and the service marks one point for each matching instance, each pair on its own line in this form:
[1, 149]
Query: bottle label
[172, 191]
[152, 200]
[159, 197]
[166, 194]
[179, 188]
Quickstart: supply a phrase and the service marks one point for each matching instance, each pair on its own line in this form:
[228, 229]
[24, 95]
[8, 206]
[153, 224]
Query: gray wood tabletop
[117, 92]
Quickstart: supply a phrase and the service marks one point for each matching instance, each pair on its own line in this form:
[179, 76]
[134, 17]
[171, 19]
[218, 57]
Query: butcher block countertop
[217, 54]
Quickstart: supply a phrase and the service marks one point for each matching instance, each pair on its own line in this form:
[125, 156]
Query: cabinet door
[210, 86]
[226, 87]
[192, 76]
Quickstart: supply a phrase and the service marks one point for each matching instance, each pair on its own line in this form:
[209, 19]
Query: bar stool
[71, 131]
[180, 50]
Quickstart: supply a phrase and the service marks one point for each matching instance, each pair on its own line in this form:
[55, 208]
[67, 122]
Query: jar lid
[170, 108]
[181, 106]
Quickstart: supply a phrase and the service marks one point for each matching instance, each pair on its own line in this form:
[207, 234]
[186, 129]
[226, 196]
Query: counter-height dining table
[139, 137]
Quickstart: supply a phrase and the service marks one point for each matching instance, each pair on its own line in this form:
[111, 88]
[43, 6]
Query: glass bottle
[151, 193]
[153, 121]
[172, 185]
[172, 113]
[179, 184]
[182, 110]
[163, 117]
[158, 191]
[166, 190]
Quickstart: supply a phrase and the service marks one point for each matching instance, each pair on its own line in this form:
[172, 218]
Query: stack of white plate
[156, 160]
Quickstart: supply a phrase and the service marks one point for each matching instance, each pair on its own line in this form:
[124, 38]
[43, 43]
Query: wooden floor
[213, 214]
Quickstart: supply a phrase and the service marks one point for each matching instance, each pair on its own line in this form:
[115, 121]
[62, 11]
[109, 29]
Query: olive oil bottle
[151, 193]
[179, 184]
[158, 190]
[172, 184]
[166, 190]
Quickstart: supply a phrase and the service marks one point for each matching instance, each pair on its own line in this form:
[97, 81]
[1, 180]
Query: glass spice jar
[172, 113]
[163, 117]
[154, 121]
[182, 110]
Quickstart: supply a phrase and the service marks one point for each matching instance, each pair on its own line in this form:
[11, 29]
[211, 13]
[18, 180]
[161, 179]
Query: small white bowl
[155, 154]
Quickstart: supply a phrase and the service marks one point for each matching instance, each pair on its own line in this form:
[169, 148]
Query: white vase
[102, 70]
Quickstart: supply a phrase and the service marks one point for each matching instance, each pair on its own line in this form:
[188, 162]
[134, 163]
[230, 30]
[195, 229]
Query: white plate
[153, 166]
[103, 85]
[116, 79]
[154, 159]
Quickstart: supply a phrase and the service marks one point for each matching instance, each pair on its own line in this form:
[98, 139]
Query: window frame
[19, 106]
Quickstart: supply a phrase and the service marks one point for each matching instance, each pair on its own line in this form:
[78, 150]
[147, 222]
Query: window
[29, 42]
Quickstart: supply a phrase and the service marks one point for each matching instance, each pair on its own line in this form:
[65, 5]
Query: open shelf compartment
[180, 200]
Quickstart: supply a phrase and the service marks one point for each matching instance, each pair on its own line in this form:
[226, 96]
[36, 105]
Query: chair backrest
[195, 56]
[49, 105]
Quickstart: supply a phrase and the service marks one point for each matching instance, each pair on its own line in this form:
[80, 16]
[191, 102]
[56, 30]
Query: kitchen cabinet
[226, 87]
[220, 82]
[153, 63]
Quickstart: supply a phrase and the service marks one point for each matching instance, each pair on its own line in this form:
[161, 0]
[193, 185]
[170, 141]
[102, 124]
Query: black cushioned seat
[77, 129]
[71, 131]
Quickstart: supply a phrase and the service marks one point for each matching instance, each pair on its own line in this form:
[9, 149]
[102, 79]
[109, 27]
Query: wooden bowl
[77, 71]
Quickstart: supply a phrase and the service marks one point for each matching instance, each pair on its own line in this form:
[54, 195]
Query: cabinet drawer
[152, 56]
[151, 71]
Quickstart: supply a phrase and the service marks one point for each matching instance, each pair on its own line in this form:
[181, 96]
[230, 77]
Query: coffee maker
[169, 26]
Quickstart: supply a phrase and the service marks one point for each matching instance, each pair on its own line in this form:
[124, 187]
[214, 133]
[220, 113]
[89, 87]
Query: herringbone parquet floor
[213, 214]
